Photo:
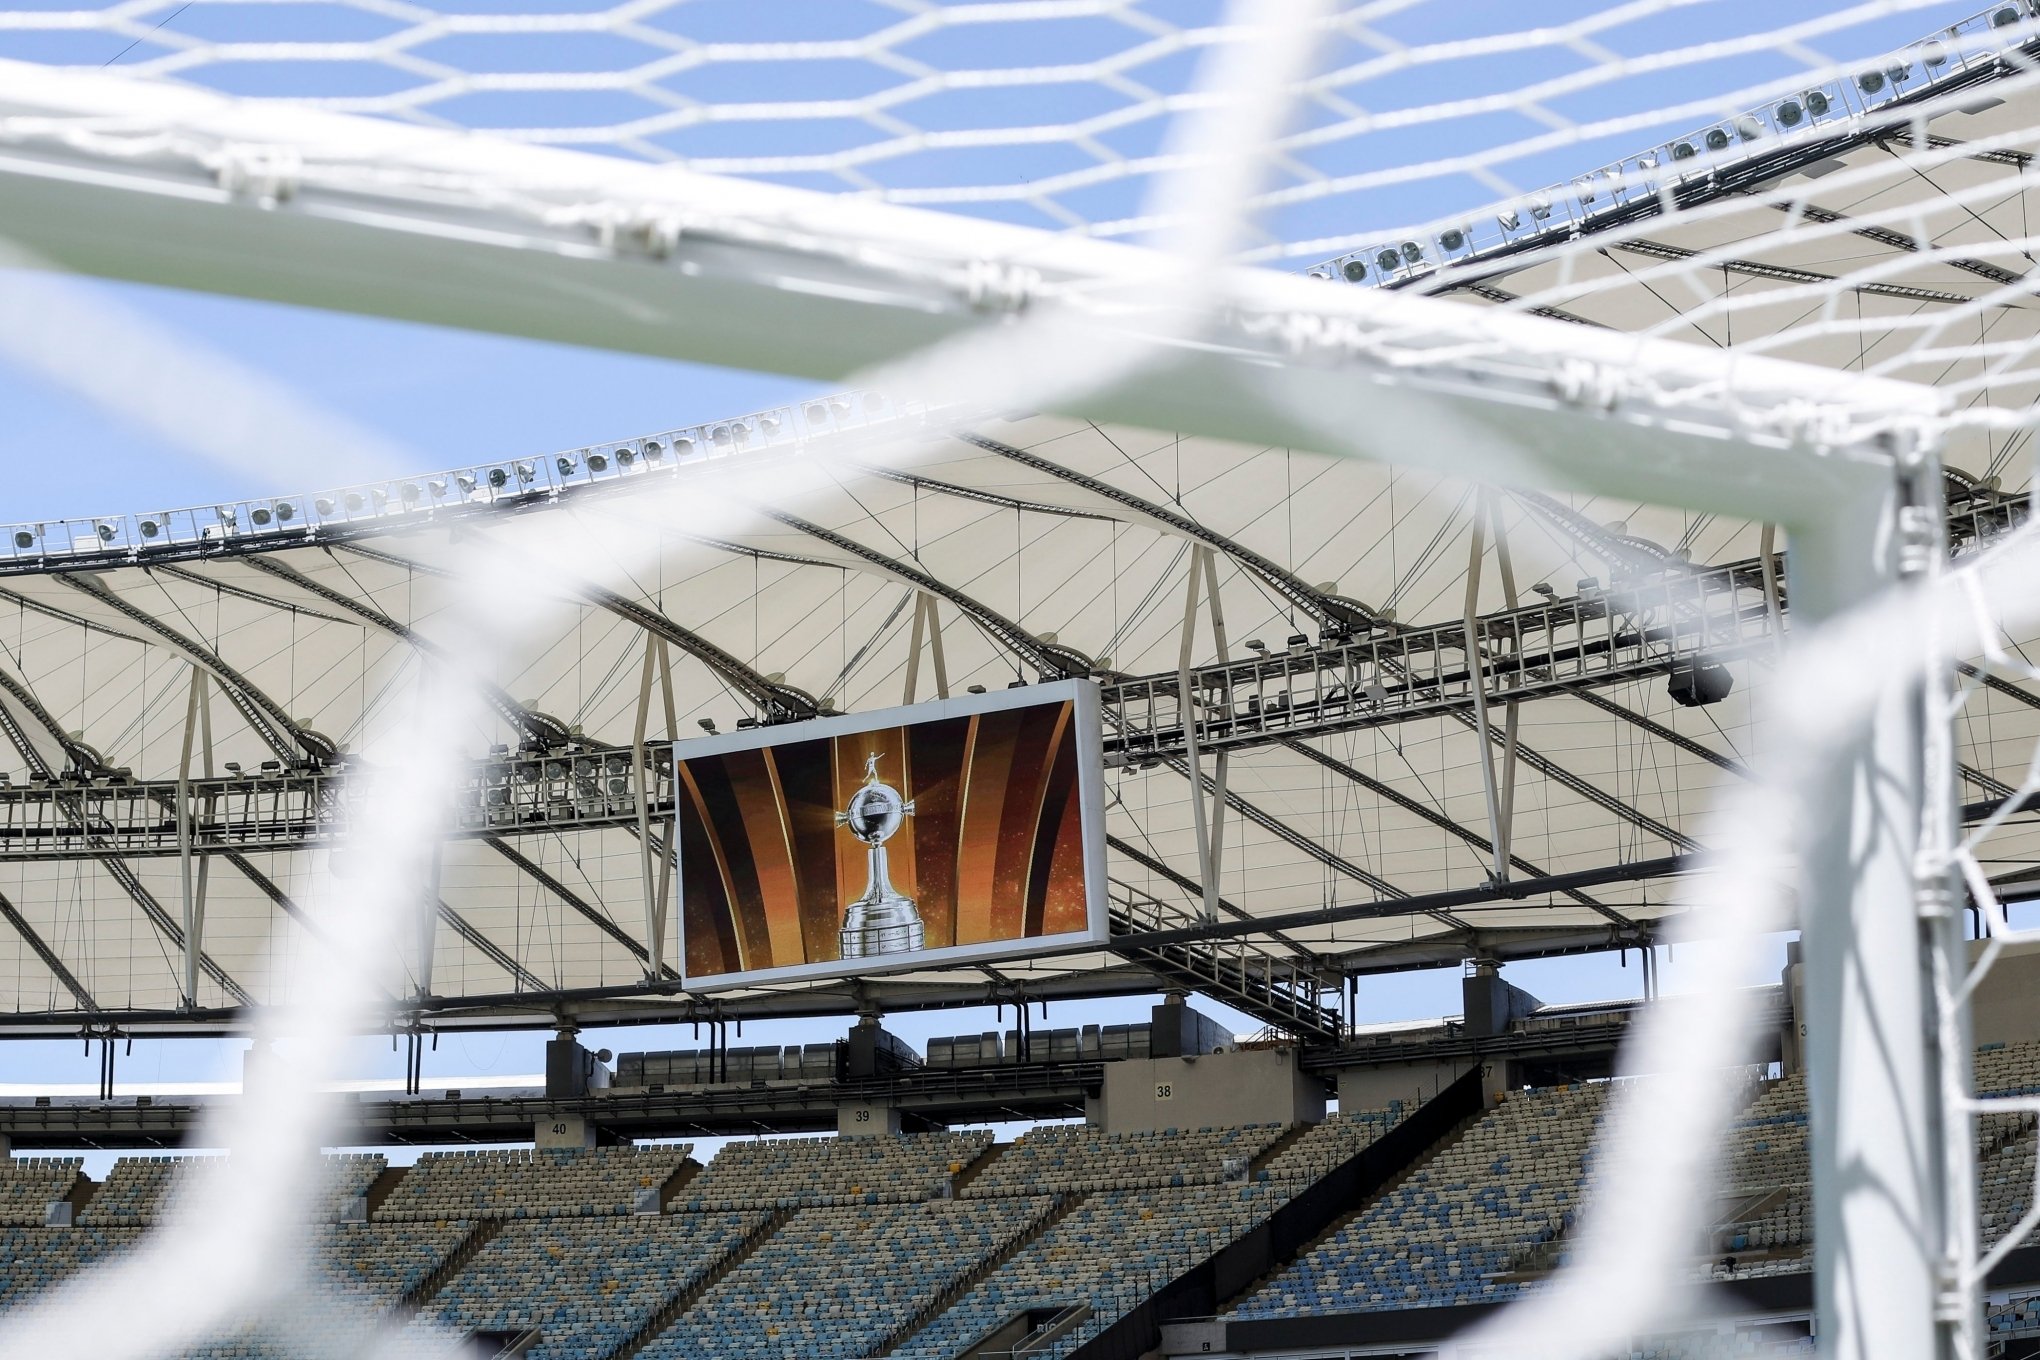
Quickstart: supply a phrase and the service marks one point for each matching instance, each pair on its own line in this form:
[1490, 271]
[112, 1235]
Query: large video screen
[961, 829]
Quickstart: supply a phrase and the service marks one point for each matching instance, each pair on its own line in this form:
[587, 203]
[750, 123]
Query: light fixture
[105, 531]
[1540, 208]
[150, 528]
[1509, 219]
[526, 473]
[324, 505]
[768, 426]
[1683, 151]
[285, 511]
[1817, 103]
[354, 501]
[721, 435]
[408, 493]
[1544, 588]
[626, 456]
[1646, 163]
[567, 464]
[817, 413]
[437, 486]
[261, 515]
[1748, 128]
[1377, 693]
[654, 451]
[234, 768]
[1716, 139]
[465, 481]
[1412, 252]
[707, 725]
[1354, 270]
[1934, 53]
[227, 516]
[1298, 643]
[498, 478]
[1870, 82]
[683, 448]
[974, 689]
[1789, 113]
[1257, 647]
[1452, 238]
[2005, 17]
[598, 462]
[1388, 260]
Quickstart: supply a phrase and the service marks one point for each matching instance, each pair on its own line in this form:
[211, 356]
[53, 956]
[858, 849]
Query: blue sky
[445, 397]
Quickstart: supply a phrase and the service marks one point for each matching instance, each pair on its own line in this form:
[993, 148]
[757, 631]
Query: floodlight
[227, 516]
[466, 482]
[1412, 252]
[526, 473]
[408, 493]
[707, 725]
[683, 448]
[1934, 53]
[567, 464]
[23, 539]
[817, 413]
[234, 768]
[1388, 260]
[1789, 113]
[1748, 128]
[285, 511]
[1452, 238]
[1544, 588]
[767, 426]
[1540, 208]
[1817, 103]
[1646, 163]
[974, 689]
[1870, 82]
[1716, 139]
[1257, 647]
[1377, 693]
[1354, 270]
[1683, 151]
[2005, 17]
[721, 435]
[653, 450]
[324, 505]
[261, 515]
[1298, 643]
[1509, 219]
[626, 456]
[149, 527]
[353, 501]
[619, 786]
[498, 478]
[598, 462]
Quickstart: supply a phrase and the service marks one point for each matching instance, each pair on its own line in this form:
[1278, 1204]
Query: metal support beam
[1187, 698]
[928, 630]
[1476, 554]
[656, 867]
[192, 876]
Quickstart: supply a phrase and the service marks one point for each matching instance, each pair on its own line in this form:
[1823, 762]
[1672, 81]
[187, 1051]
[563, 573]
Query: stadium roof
[1337, 689]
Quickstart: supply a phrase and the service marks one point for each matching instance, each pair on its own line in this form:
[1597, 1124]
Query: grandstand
[855, 708]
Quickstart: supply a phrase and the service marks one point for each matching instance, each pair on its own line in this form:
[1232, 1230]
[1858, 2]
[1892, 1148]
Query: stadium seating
[587, 1286]
[1338, 1139]
[1079, 1158]
[1510, 1183]
[28, 1185]
[1109, 1252]
[789, 1173]
[836, 1282]
[359, 1272]
[35, 1259]
[138, 1189]
[531, 1183]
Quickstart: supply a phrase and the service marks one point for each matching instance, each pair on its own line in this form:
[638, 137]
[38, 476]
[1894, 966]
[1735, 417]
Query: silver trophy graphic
[883, 920]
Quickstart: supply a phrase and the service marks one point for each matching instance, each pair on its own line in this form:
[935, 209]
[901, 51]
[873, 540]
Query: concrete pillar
[564, 1131]
[866, 1119]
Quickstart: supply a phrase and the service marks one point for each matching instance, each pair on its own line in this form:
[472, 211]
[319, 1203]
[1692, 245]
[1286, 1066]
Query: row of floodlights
[1788, 114]
[516, 477]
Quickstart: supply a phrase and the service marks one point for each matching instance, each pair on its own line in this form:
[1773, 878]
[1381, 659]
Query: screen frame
[1084, 697]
